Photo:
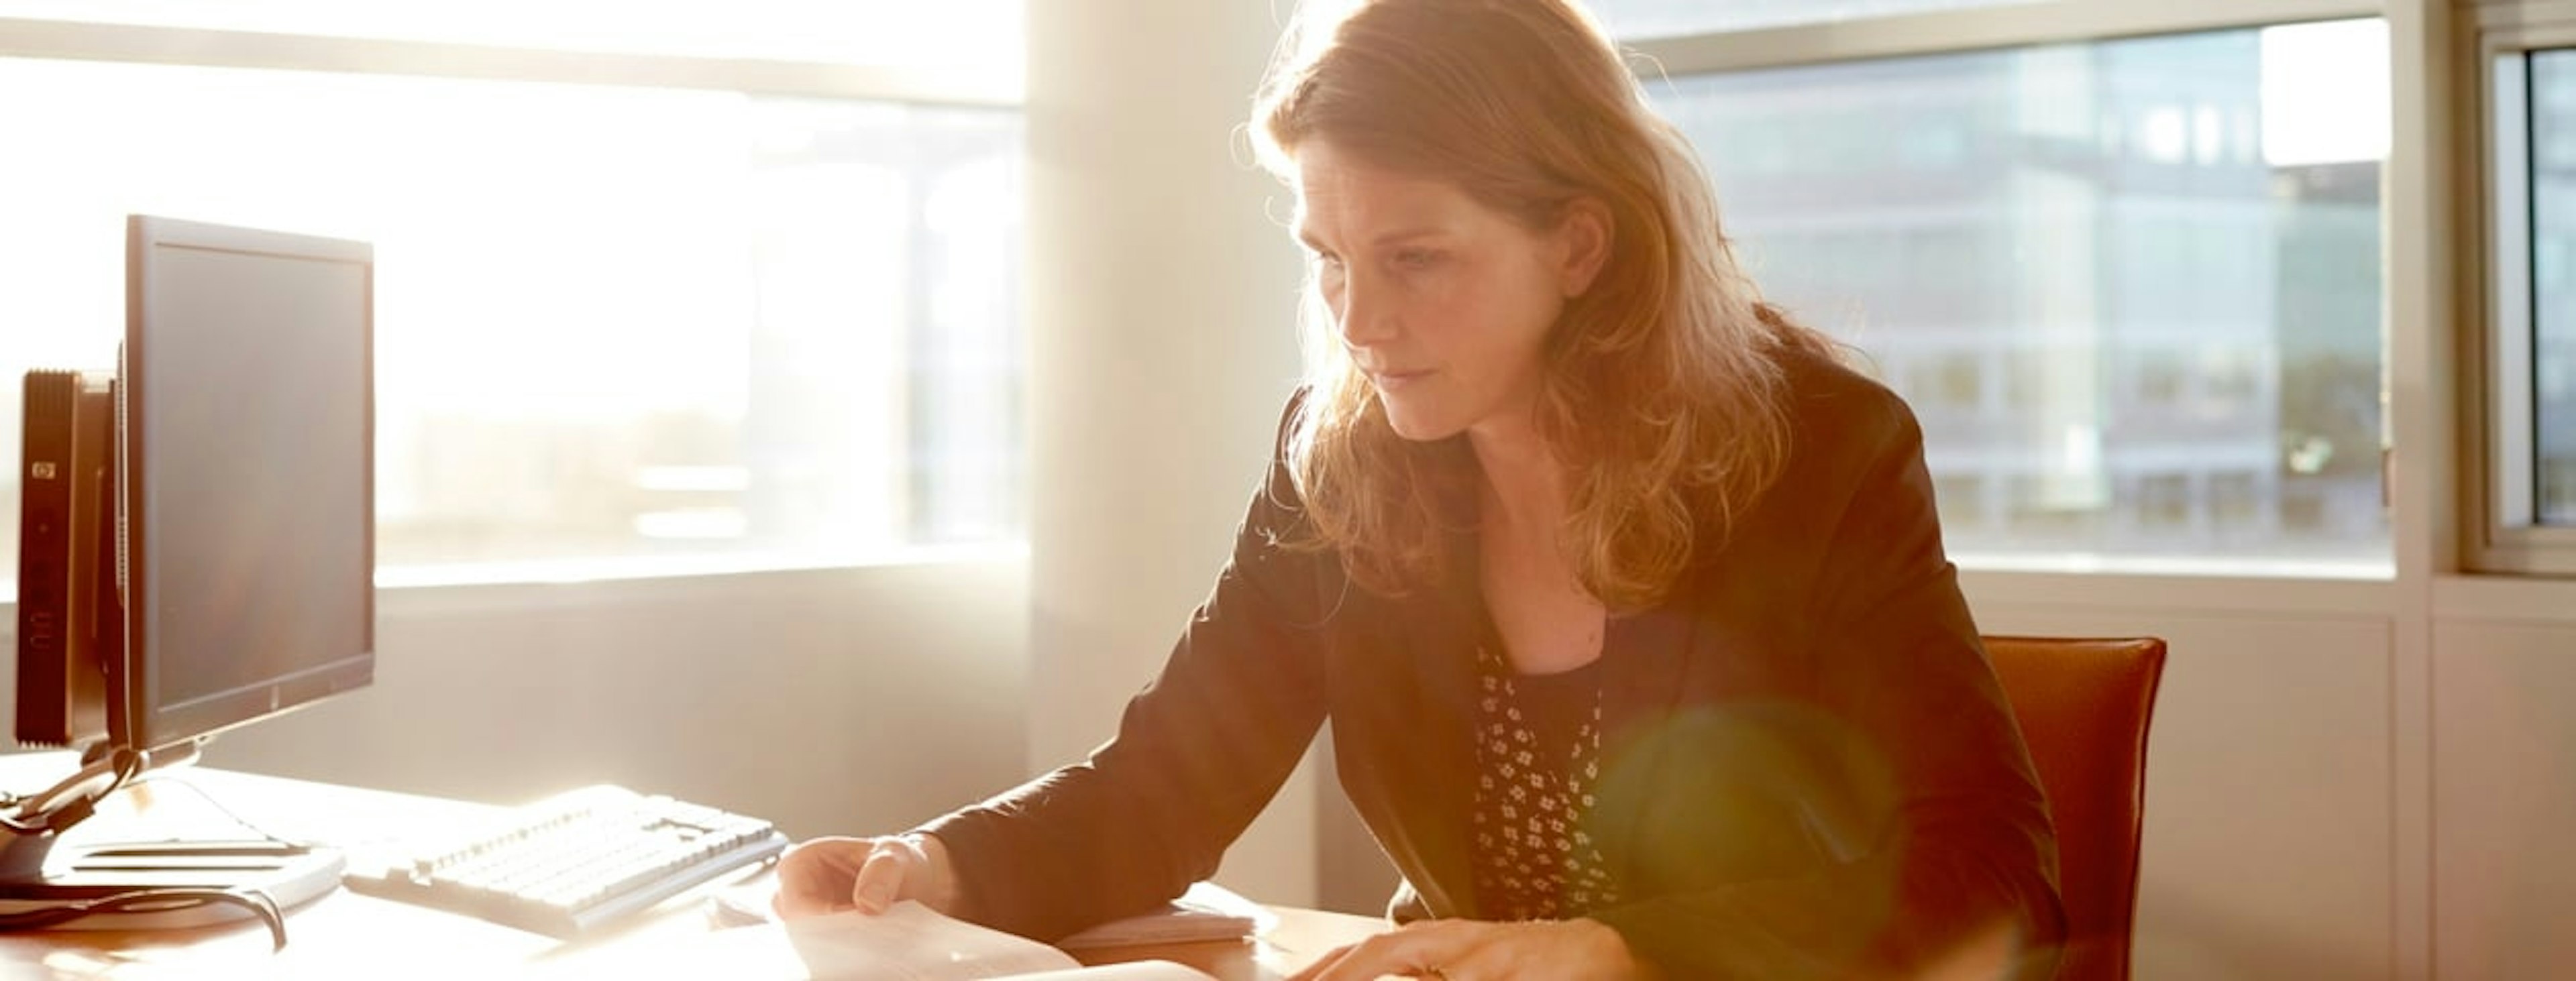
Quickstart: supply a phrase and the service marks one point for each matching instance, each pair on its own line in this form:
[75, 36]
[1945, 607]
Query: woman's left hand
[1473, 950]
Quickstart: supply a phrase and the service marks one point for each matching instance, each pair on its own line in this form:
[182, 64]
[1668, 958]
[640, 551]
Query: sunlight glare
[2325, 92]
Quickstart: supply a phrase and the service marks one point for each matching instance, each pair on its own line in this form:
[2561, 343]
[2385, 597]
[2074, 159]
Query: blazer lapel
[1441, 649]
[1647, 660]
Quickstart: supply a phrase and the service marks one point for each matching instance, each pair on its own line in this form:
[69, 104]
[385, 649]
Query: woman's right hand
[829, 875]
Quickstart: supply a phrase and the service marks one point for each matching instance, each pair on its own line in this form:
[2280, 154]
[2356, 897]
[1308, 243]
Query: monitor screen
[246, 403]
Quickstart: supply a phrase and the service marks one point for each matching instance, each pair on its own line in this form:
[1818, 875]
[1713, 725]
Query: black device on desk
[197, 552]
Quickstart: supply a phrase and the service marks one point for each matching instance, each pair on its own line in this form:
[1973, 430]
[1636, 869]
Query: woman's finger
[1320, 964]
[1418, 950]
[880, 879]
[816, 876]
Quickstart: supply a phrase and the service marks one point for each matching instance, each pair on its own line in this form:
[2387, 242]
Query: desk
[346, 935]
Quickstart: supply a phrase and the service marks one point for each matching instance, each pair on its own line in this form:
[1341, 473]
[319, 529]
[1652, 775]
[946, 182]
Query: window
[2522, 516]
[632, 324]
[2165, 249]
[2553, 280]
[1665, 18]
[979, 38]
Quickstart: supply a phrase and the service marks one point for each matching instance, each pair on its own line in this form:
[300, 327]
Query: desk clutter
[570, 865]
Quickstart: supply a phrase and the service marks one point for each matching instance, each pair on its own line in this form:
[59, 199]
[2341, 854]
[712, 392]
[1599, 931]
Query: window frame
[1972, 29]
[2499, 528]
[222, 48]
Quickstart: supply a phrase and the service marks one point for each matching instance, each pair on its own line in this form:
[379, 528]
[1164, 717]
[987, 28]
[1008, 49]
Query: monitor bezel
[146, 723]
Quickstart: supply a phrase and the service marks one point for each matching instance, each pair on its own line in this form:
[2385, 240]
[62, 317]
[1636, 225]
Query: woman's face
[1446, 304]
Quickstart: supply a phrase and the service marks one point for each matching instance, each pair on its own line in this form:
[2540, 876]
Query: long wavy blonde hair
[1663, 393]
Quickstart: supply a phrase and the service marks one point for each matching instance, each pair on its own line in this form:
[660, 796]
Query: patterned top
[1538, 755]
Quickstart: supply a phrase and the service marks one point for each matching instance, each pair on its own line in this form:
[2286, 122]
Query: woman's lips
[1393, 380]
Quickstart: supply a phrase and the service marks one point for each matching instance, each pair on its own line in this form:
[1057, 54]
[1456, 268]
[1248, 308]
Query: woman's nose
[1366, 319]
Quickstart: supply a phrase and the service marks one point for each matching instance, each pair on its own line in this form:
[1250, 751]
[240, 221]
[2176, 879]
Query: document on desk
[1206, 912]
[909, 942]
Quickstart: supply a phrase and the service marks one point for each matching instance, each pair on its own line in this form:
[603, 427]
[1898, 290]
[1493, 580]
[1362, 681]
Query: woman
[1627, 603]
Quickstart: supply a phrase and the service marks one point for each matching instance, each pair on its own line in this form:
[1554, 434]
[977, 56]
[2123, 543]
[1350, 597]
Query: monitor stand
[288, 875]
[40, 871]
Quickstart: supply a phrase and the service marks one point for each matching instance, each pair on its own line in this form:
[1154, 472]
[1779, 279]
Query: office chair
[2084, 705]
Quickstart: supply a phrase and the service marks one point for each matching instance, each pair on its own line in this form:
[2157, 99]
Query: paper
[909, 942]
[1130, 971]
[1206, 912]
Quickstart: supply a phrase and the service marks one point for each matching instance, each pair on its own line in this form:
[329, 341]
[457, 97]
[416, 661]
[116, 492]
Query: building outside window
[2131, 287]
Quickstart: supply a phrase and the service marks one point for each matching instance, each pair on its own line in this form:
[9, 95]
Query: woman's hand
[1472, 950]
[829, 875]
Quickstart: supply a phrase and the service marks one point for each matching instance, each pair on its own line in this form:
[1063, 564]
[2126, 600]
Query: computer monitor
[246, 393]
[242, 542]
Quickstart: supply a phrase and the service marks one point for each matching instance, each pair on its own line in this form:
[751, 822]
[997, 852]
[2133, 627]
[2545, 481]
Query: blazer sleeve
[1956, 860]
[1197, 755]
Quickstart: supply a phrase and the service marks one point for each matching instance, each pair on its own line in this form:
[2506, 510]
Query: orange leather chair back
[2084, 705]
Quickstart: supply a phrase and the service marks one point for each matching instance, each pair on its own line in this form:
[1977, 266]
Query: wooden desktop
[346, 935]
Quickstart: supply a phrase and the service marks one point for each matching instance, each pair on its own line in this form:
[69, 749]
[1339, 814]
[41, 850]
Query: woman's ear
[1583, 245]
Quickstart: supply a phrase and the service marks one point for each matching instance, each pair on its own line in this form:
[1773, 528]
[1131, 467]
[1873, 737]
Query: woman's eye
[1416, 259]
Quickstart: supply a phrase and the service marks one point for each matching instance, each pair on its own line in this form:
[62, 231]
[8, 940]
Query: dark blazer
[1809, 769]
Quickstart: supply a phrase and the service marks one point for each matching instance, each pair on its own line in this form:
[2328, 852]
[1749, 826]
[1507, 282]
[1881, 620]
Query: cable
[154, 901]
[67, 803]
[73, 800]
[208, 798]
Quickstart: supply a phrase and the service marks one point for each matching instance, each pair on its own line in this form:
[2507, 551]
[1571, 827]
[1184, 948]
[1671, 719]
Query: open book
[909, 942]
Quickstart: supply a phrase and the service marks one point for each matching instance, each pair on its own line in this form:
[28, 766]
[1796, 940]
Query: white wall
[2503, 746]
[2269, 835]
[2278, 794]
[845, 700]
[1162, 297]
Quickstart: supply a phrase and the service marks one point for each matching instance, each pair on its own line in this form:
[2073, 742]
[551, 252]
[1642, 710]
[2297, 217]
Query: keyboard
[570, 865]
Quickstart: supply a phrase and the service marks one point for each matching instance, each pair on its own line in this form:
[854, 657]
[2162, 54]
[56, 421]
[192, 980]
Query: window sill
[444, 590]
